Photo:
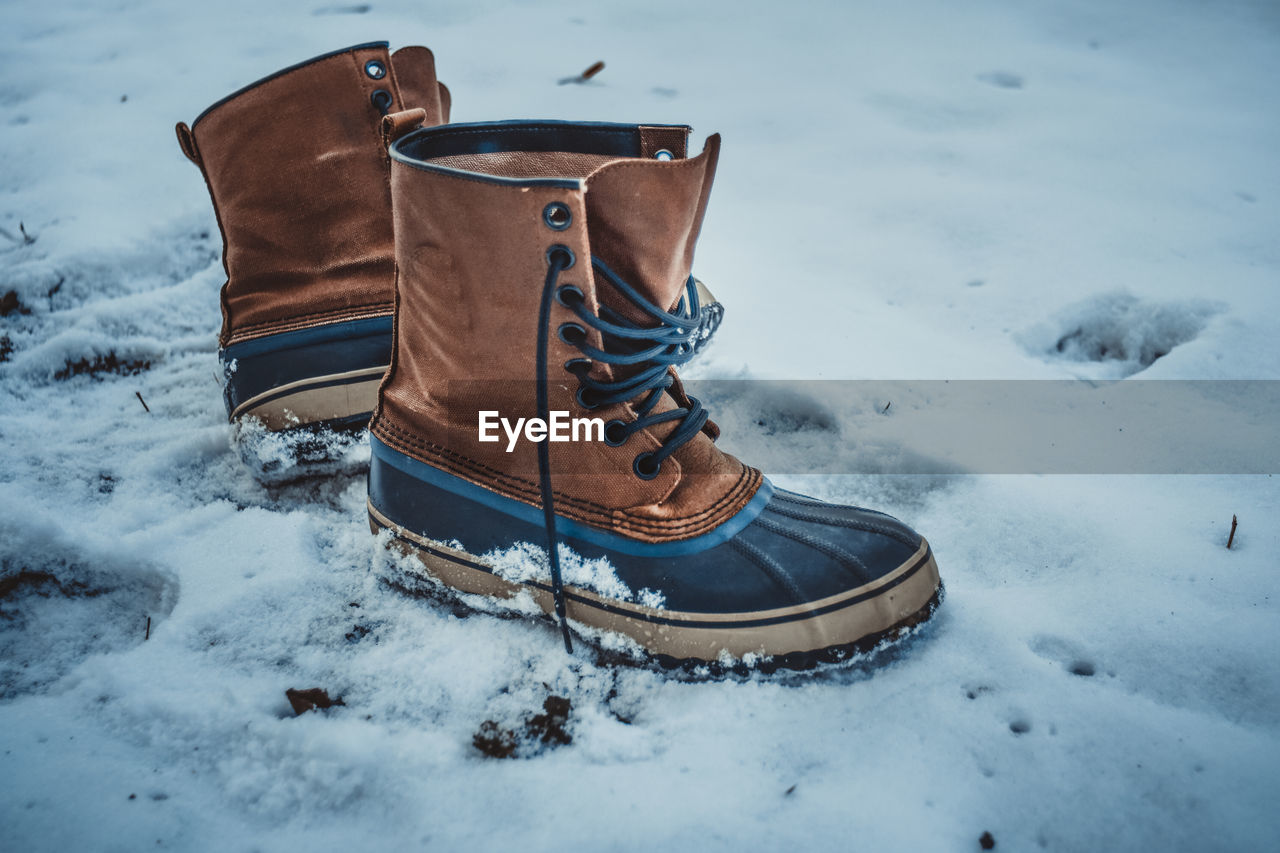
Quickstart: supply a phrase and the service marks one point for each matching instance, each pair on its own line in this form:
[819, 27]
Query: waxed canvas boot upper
[298, 174]
[472, 242]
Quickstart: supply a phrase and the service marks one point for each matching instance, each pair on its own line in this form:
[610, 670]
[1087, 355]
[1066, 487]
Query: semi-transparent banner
[1000, 427]
[907, 427]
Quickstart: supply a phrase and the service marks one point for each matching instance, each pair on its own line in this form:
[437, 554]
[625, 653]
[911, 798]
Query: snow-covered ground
[916, 190]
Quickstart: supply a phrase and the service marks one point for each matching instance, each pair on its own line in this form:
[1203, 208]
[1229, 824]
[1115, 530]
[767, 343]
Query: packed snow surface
[915, 190]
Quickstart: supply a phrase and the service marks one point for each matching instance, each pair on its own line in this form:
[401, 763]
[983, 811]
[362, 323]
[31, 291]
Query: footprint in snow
[1070, 656]
[58, 607]
[1119, 333]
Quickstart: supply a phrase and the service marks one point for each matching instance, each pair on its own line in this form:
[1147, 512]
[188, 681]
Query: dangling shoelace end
[559, 258]
[650, 351]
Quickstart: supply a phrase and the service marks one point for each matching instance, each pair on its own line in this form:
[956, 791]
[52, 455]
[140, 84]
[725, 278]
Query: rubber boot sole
[319, 376]
[331, 399]
[829, 630]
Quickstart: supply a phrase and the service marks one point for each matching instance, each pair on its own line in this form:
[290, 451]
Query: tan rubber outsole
[315, 400]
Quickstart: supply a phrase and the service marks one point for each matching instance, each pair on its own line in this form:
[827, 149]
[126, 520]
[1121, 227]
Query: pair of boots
[510, 302]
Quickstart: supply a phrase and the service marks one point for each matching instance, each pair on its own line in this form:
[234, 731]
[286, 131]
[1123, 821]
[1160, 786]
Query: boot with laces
[544, 281]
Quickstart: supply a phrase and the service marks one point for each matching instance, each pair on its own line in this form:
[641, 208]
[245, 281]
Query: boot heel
[323, 376]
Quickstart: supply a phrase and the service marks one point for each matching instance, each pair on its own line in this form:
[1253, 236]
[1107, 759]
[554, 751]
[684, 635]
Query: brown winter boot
[544, 283]
[298, 173]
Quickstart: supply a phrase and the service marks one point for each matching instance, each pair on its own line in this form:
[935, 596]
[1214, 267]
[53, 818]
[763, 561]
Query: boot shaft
[479, 209]
[297, 171]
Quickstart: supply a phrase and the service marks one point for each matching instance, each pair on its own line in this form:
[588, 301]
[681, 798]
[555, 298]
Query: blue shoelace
[650, 350]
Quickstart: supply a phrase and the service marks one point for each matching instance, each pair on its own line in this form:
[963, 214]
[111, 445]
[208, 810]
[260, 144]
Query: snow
[909, 191]
[525, 561]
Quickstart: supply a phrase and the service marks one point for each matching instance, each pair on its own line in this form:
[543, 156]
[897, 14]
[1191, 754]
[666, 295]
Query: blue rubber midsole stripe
[569, 528]
[654, 619]
[331, 333]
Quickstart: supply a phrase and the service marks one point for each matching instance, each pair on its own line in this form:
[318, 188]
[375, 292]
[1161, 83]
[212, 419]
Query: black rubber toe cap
[798, 550]
[827, 548]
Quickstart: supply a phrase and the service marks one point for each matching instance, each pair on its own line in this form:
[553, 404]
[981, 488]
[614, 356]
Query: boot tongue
[643, 218]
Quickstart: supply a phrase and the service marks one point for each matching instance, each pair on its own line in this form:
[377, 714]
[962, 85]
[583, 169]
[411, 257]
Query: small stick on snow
[885, 410]
[1232, 537]
[594, 69]
[27, 239]
[138, 394]
[53, 291]
[148, 635]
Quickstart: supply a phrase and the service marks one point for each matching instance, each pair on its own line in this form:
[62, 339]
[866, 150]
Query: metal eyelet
[572, 334]
[615, 433]
[663, 154]
[645, 468]
[561, 254]
[381, 99]
[586, 398]
[375, 69]
[566, 293]
[557, 216]
[578, 366]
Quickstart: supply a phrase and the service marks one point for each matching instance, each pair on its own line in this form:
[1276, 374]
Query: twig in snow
[592, 70]
[1232, 536]
[53, 291]
[26, 239]
[342, 10]
[138, 394]
[148, 634]
[885, 410]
